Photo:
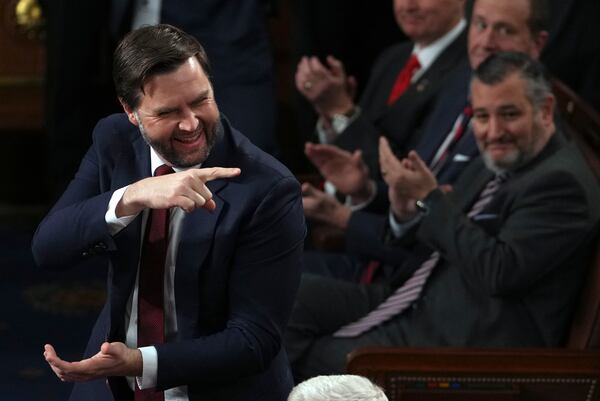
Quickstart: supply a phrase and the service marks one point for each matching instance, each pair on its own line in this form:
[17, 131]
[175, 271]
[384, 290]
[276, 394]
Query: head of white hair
[337, 388]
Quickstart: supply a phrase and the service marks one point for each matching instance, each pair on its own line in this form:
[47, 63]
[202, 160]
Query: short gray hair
[497, 67]
[337, 388]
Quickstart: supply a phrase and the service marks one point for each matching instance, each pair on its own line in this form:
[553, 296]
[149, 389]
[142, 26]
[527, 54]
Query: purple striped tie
[410, 291]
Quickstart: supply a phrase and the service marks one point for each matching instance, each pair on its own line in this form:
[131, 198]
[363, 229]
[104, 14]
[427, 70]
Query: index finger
[214, 173]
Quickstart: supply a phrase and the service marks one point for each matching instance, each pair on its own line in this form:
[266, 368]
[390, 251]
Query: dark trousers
[329, 297]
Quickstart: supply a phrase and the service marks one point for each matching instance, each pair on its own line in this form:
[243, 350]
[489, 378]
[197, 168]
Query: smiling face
[425, 21]
[178, 115]
[508, 128]
[502, 25]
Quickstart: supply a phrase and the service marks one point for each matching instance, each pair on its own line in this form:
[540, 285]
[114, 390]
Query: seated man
[498, 261]
[403, 84]
[447, 143]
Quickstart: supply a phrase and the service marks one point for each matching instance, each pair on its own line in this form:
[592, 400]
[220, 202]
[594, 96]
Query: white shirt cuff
[358, 206]
[399, 229]
[149, 368]
[116, 224]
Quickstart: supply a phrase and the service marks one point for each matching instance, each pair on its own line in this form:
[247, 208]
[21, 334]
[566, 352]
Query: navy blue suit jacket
[236, 274]
[449, 105]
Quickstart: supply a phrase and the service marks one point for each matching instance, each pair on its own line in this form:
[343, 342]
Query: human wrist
[128, 205]
[365, 192]
[346, 109]
[403, 216]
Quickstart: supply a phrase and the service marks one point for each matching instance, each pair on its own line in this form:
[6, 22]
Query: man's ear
[548, 110]
[129, 111]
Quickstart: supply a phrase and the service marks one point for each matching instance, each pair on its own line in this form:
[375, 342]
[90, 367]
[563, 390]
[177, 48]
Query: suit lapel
[452, 55]
[196, 241]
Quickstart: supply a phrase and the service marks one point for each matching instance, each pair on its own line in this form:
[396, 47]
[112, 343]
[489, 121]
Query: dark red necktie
[404, 78]
[151, 322]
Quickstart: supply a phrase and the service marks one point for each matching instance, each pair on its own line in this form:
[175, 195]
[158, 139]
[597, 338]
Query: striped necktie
[410, 291]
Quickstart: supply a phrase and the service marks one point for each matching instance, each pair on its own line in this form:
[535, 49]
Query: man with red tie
[497, 261]
[403, 84]
[202, 233]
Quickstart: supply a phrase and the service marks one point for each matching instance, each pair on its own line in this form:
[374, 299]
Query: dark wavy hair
[499, 66]
[148, 51]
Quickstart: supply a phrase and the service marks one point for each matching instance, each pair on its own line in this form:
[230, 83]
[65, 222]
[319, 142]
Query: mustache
[499, 141]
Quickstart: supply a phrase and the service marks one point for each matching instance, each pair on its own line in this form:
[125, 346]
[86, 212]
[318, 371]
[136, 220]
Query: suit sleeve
[536, 232]
[75, 227]
[264, 278]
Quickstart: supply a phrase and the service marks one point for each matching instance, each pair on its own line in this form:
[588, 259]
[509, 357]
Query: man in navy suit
[437, 32]
[233, 250]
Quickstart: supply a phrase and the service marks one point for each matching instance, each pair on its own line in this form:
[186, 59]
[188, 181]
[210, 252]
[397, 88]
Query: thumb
[357, 156]
[337, 68]
[417, 162]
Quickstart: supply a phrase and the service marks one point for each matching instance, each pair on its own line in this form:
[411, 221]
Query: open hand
[113, 359]
[328, 88]
[346, 171]
[408, 179]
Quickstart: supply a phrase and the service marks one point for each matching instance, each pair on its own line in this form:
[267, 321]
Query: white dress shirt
[426, 56]
[149, 354]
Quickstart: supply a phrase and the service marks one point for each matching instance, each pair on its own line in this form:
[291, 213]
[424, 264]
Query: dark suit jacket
[237, 267]
[448, 106]
[401, 122]
[510, 276]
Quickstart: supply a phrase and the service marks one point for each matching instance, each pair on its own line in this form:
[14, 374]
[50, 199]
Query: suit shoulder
[115, 128]
[394, 53]
[257, 165]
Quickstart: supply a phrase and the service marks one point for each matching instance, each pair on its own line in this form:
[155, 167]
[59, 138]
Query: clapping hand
[328, 88]
[346, 171]
[408, 180]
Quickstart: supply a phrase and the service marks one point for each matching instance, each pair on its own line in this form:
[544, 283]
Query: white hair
[337, 388]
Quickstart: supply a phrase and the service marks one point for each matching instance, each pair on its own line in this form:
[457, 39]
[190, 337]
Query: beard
[177, 159]
[519, 157]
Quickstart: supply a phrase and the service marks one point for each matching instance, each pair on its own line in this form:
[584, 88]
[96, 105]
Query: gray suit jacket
[510, 276]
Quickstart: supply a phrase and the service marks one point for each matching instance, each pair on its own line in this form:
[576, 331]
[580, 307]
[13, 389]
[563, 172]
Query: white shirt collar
[156, 161]
[428, 54]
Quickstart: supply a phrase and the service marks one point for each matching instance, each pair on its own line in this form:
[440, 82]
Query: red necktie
[403, 79]
[369, 272]
[151, 322]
